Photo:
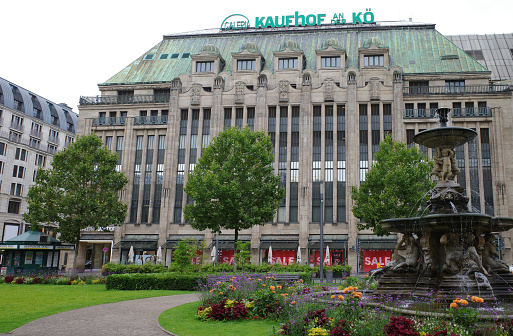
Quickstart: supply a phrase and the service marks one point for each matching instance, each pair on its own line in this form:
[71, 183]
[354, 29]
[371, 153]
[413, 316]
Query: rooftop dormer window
[330, 62]
[373, 60]
[244, 65]
[207, 66]
[287, 63]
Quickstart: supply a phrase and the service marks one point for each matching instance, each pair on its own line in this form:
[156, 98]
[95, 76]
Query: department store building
[326, 95]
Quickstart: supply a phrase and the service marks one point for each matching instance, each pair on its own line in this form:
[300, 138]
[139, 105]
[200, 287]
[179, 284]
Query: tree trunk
[76, 252]
[235, 250]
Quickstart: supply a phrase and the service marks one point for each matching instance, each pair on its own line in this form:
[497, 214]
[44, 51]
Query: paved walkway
[127, 318]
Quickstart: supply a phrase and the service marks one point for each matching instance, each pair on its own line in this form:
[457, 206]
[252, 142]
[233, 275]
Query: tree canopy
[395, 186]
[80, 190]
[233, 185]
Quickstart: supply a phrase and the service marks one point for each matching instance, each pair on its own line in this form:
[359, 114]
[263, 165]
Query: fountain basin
[449, 222]
[444, 137]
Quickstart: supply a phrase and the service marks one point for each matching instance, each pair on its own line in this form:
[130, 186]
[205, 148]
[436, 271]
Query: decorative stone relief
[307, 79]
[374, 88]
[262, 81]
[239, 92]
[284, 90]
[351, 78]
[195, 94]
[329, 86]
[219, 83]
[176, 84]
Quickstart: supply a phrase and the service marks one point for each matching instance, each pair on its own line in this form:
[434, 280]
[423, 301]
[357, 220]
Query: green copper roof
[31, 237]
[417, 49]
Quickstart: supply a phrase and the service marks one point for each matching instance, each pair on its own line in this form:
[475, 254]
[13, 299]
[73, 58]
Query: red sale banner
[371, 258]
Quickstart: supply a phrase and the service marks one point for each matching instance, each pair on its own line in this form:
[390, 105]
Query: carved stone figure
[239, 92]
[412, 253]
[328, 89]
[374, 88]
[396, 257]
[461, 256]
[284, 91]
[195, 94]
[445, 167]
[491, 260]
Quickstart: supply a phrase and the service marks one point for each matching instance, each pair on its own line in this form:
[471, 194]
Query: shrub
[228, 310]
[9, 278]
[166, 281]
[36, 280]
[111, 268]
[20, 280]
[399, 326]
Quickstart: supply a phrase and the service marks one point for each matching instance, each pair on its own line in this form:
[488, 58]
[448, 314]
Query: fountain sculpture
[450, 252]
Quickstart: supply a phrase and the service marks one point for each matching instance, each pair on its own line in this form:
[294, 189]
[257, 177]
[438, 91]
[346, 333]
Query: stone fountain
[450, 252]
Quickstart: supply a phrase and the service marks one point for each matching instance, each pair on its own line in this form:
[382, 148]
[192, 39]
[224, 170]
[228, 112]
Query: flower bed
[306, 309]
[53, 280]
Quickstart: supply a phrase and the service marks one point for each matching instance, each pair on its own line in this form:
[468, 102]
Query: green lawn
[21, 304]
[182, 321]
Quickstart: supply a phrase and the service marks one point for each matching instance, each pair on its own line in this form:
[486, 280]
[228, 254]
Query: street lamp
[322, 233]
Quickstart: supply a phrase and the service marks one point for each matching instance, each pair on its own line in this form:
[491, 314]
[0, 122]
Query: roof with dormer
[9, 92]
[416, 48]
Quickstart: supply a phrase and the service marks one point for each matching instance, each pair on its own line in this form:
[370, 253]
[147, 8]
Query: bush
[20, 280]
[9, 278]
[111, 268]
[165, 281]
[400, 326]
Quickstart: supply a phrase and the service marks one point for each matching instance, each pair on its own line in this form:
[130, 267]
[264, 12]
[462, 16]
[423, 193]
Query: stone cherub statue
[491, 260]
[445, 167]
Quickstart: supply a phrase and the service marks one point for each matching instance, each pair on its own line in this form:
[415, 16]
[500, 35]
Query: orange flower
[212, 290]
[293, 302]
[272, 288]
[264, 285]
[273, 292]
[221, 293]
[283, 295]
[259, 279]
[345, 290]
[301, 280]
[454, 305]
[357, 295]
[477, 299]
[279, 287]
[456, 301]
[341, 298]
[333, 296]
[464, 302]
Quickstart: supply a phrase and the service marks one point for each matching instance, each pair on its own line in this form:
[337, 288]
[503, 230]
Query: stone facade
[325, 112]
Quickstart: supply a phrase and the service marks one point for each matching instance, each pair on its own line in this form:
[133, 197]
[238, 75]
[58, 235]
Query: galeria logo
[235, 21]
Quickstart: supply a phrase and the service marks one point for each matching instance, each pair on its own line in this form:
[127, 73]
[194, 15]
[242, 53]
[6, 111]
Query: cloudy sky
[62, 49]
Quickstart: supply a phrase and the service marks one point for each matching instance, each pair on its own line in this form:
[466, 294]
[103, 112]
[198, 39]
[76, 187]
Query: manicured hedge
[111, 268]
[166, 281]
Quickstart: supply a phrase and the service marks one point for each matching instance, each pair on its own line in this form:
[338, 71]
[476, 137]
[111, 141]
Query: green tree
[233, 185]
[395, 186]
[243, 255]
[80, 190]
[185, 251]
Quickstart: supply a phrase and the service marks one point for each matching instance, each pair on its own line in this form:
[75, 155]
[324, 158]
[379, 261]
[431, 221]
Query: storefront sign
[336, 258]
[8, 247]
[226, 256]
[371, 258]
[36, 247]
[239, 21]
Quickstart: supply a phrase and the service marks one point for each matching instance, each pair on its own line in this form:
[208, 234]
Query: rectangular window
[2, 148]
[108, 142]
[40, 160]
[2, 164]
[330, 62]
[16, 189]
[205, 66]
[454, 86]
[373, 60]
[18, 171]
[14, 207]
[20, 154]
[287, 63]
[246, 65]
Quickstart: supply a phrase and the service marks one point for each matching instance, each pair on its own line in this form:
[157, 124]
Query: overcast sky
[61, 50]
